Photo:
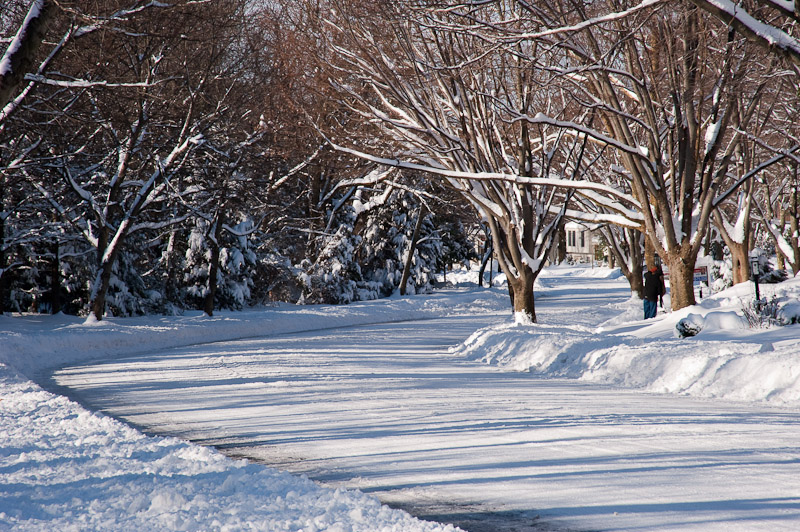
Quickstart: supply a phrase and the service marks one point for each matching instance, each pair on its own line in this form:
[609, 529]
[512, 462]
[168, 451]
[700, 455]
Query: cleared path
[388, 410]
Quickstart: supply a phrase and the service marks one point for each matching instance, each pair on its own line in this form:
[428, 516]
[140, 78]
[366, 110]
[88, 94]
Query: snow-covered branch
[749, 175]
[542, 118]
[767, 35]
[492, 176]
[86, 84]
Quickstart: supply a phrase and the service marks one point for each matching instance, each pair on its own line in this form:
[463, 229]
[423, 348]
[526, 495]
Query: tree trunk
[105, 263]
[412, 246]
[55, 281]
[487, 256]
[781, 259]
[21, 59]
[102, 282]
[213, 268]
[681, 282]
[3, 259]
[635, 277]
[630, 265]
[795, 241]
[740, 263]
[612, 260]
[649, 252]
[561, 250]
[521, 289]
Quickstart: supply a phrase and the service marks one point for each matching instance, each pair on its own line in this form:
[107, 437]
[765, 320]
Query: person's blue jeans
[650, 308]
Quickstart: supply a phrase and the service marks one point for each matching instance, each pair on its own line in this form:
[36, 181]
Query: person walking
[653, 289]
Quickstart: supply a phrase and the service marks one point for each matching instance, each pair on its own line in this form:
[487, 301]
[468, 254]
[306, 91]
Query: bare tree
[138, 109]
[448, 102]
[672, 93]
[781, 216]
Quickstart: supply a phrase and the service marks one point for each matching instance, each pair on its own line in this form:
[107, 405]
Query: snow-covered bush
[127, 294]
[774, 277]
[329, 273]
[722, 273]
[363, 254]
[195, 265]
[761, 313]
[47, 276]
[332, 277]
[274, 278]
[455, 245]
[690, 326]
[236, 264]
[382, 251]
[789, 313]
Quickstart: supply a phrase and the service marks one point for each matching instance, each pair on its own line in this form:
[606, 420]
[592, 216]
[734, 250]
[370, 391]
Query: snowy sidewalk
[388, 409]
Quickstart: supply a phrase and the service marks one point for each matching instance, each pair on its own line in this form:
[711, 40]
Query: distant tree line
[161, 156]
[668, 125]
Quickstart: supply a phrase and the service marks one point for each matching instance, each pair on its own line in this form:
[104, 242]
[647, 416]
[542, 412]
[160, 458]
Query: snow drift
[727, 359]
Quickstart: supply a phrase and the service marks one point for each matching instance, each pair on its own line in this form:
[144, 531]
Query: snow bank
[31, 344]
[725, 360]
[65, 468]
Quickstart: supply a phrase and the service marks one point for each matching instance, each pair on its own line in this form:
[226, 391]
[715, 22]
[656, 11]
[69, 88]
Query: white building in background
[580, 245]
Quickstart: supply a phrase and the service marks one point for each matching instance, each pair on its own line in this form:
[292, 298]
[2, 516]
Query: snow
[64, 467]
[33, 13]
[628, 351]
[712, 133]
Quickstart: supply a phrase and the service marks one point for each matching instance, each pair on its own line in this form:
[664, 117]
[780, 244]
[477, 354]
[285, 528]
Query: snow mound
[65, 468]
[566, 270]
[726, 359]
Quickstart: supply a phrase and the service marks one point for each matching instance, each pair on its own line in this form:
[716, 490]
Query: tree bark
[487, 255]
[681, 282]
[795, 241]
[740, 262]
[561, 249]
[21, 60]
[521, 288]
[635, 278]
[213, 268]
[3, 259]
[102, 282]
[633, 271]
[412, 247]
[55, 280]
[649, 252]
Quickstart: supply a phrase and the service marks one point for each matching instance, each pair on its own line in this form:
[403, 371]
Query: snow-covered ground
[391, 410]
[65, 468]
[608, 342]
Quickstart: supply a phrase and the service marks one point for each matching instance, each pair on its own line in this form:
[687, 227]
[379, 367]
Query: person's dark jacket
[653, 285]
